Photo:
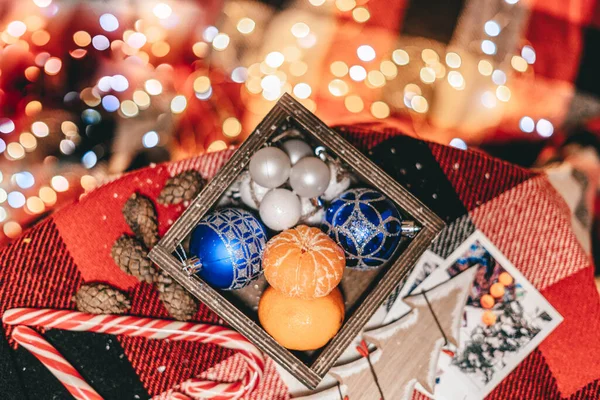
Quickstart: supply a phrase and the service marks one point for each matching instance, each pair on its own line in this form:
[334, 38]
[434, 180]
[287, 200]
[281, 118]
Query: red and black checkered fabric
[517, 208]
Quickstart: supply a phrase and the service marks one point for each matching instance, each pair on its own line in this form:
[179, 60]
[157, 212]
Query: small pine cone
[179, 302]
[181, 187]
[131, 256]
[140, 215]
[98, 298]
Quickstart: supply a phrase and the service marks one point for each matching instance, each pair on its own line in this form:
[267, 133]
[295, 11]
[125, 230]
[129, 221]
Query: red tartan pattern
[511, 219]
[182, 359]
[531, 225]
[36, 270]
[477, 178]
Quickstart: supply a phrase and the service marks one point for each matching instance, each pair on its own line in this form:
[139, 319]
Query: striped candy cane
[156, 329]
[55, 362]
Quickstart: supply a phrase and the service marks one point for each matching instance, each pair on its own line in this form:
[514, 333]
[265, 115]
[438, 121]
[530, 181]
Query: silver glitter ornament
[270, 167]
[251, 193]
[339, 181]
[280, 209]
[309, 177]
[297, 149]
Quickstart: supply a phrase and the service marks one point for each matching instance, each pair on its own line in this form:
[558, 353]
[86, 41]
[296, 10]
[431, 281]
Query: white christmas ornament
[270, 167]
[280, 209]
[251, 193]
[339, 181]
[297, 149]
[309, 177]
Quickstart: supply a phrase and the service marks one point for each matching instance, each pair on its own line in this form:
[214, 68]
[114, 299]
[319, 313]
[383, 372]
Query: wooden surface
[407, 349]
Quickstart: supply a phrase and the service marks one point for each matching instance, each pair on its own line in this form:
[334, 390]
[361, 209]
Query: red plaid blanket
[518, 209]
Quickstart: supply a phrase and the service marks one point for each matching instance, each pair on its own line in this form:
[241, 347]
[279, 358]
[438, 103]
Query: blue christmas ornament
[228, 244]
[366, 224]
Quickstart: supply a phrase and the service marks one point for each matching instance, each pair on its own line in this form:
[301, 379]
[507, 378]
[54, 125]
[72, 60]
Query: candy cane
[55, 362]
[156, 329]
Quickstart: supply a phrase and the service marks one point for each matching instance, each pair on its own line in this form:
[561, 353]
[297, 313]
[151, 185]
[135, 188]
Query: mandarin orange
[303, 262]
[505, 279]
[487, 301]
[497, 290]
[489, 318]
[299, 324]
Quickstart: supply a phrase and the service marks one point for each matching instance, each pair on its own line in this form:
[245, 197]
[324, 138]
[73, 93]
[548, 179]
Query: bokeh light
[526, 124]
[232, 127]
[150, 139]
[109, 22]
[59, 183]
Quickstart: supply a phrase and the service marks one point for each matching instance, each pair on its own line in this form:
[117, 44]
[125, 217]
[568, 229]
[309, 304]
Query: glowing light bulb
[178, 104]
[499, 77]
[162, 11]
[153, 87]
[150, 139]
[59, 183]
[458, 143]
[400, 57]
[492, 28]
[89, 159]
[526, 124]
[544, 128]
[366, 53]
[488, 47]
[16, 28]
[274, 59]
[136, 40]
[100, 42]
[109, 22]
[453, 60]
[246, 26]
[6, 125]
[456, 80]
[488, 99]
[302, 90]
[357, 73]
[232, 127]
[220, 42]
[300, 30]
[528, 54]
[354, 103]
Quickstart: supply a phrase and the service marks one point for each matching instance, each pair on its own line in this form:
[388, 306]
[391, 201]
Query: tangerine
[300, 324]
[497, 290]
[303, 262]
[489, 318]
[487, 301]
[505, 279]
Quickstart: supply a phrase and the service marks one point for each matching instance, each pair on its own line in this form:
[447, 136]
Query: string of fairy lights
[356, 82]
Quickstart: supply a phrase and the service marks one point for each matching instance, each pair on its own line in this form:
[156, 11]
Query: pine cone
[179, 302]
[140, 215]
[98, 298]
[131, 256]
[181, 187]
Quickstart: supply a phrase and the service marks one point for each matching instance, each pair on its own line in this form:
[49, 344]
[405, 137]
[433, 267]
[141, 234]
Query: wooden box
[363, 292]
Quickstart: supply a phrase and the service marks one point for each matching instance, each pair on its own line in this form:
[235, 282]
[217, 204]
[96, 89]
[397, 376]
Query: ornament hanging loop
[191, 266]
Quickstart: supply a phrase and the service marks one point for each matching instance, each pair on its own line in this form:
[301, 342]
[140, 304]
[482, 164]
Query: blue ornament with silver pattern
[227, 247]
[367, 225]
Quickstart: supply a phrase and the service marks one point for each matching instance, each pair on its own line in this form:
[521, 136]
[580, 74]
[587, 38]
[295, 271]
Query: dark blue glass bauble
[366, 224]
[229, 244]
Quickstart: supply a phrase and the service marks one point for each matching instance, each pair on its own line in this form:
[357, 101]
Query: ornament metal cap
[410, 229]
[192, 266]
